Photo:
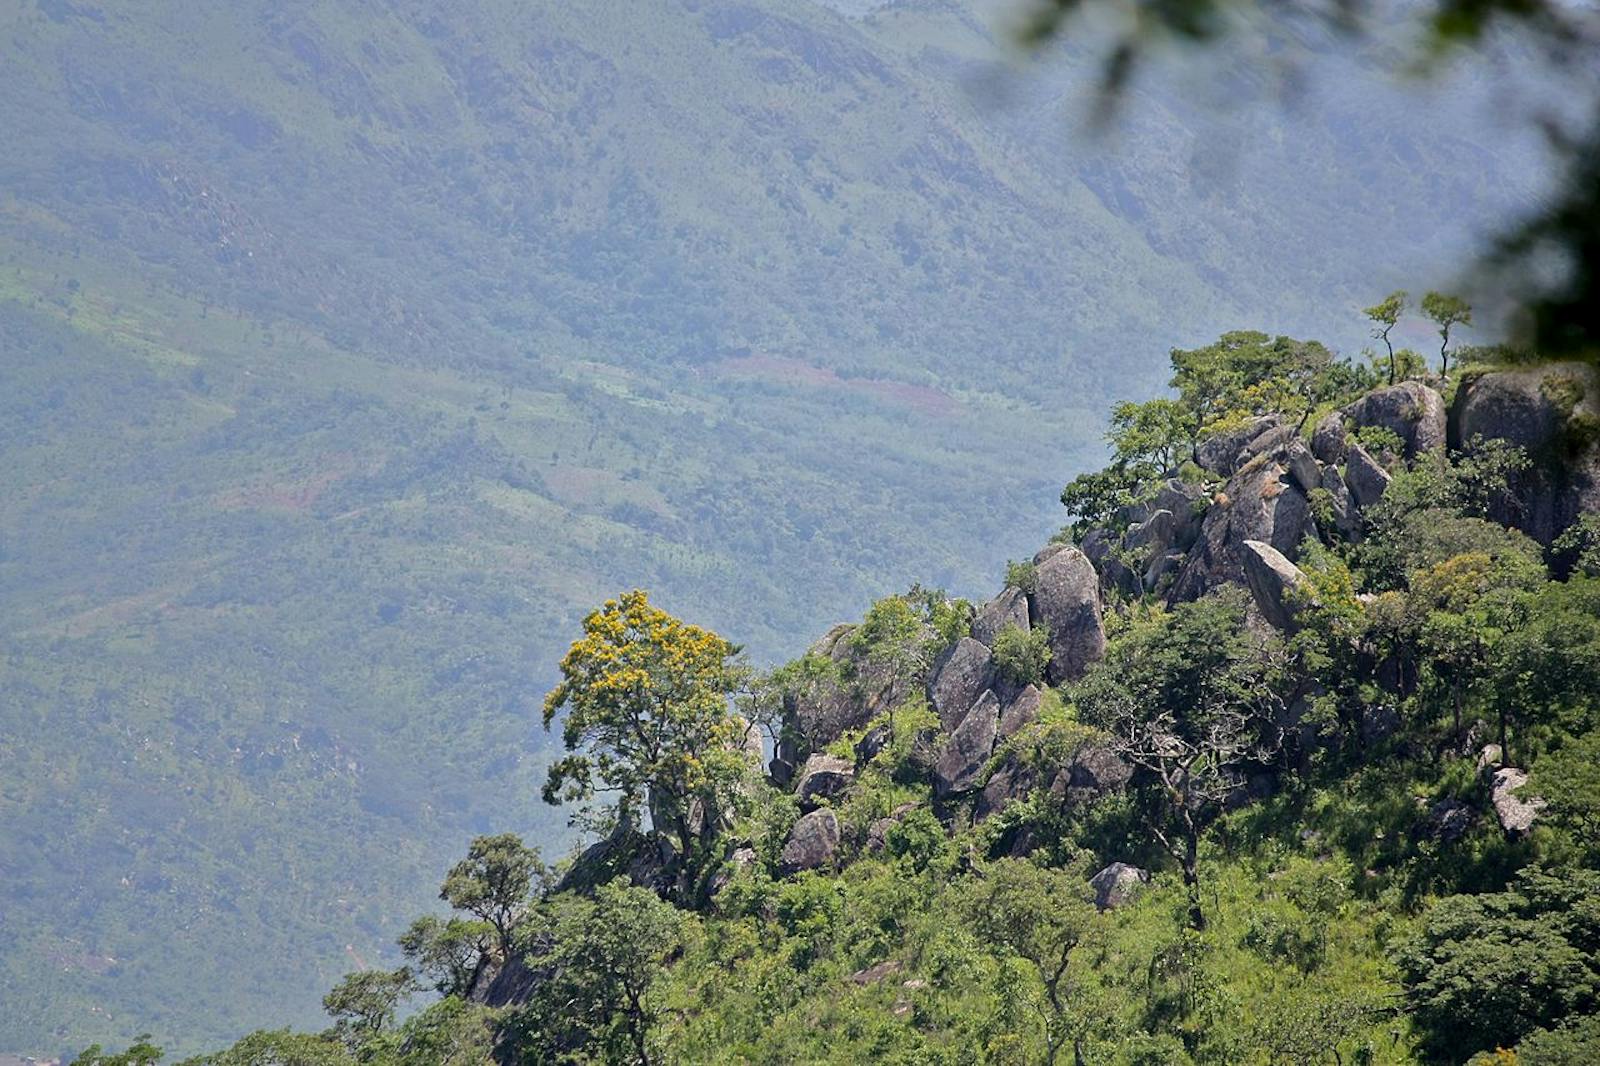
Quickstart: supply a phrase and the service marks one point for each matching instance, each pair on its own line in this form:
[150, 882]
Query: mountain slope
[351, 351]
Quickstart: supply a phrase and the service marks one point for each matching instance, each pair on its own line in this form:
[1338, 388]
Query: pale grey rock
[1365, 477]
[1516, 814]
[958, 679]
[1225, 453]
[1411, 410]
[967, 750]
[1302, 465]
[822, 777]
[1328, 439]
[812, 842]
[1021, 712]
[1066, 601]
[1550, 412]
[1261, 502]
[1116, 884]
[1010, 608]
[1270, 576]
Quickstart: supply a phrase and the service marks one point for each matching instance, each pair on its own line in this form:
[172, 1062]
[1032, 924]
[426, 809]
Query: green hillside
[348, 353]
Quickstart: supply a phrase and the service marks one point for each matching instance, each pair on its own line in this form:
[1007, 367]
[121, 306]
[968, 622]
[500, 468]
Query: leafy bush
[1022, 654]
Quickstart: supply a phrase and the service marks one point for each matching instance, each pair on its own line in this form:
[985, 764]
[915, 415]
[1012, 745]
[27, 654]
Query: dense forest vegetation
[1285, 750]
[350, 352]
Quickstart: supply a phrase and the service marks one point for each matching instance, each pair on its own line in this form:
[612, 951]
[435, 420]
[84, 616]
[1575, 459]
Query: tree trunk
[1191, 878]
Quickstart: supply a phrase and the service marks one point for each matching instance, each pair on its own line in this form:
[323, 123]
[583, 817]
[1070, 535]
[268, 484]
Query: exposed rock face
[648, 861]
[1345, 518]
[1516, 814]
[878, 831]
[1095, 771]
[1270, 577]
[1447, 821]
[1116, 884]
[1553, 413]
[1066, 601]
[1226, 452]
[966, 751]
[1302, 465]
[811, 842]
[823, 776]
[1022, 711]
[1261, 502]
[1010, 608]
[1410, 410]
[1011, 780]
[826, 714]
[959, 678]
[1328, 439]
[1365, 477]
[873, 742]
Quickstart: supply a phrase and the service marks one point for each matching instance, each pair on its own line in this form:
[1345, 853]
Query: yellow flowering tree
[648, 719]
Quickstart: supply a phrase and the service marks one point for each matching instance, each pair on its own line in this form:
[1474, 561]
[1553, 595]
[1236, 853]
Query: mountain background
[350, 352]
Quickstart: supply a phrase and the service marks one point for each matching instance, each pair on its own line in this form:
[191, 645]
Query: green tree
[278, 1047]
[646, 698]
[1039, 915]
[1486, 970]
[364, 1002]
[1569, 781]
[1188, 696]
[1446, 312]
[1022, 654]
[494, 882]
[893, 638]
[141, 1053]
[603, 958]
[1385, 315]
[1149, 436]
[1465, 604]
[450, 952]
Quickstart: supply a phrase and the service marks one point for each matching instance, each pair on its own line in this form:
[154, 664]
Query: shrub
[1022, 654]
[1023, 575]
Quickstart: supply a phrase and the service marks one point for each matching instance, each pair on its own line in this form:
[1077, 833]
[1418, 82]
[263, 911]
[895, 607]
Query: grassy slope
[352, 351]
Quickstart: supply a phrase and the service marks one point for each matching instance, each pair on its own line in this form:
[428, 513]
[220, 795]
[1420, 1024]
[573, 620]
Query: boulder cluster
[1266, 487]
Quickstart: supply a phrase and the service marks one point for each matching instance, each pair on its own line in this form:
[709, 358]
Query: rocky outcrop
[1010, 608]
[646, 859]
[823, 777]
[1365, 477]
[1095, 771]
[959, 678]
[1553, 413]
[1446, 822]
[966, 751]
[1116, 884]
[1066, 601]
[1328, 439]
[1225, 453]
[1410, 410]
[1270, 576]
[1517, 814]
[1012, 780]
[861, 691]
[878, 831]
[1021, 712]
[1262, 502]
[1346, 519]
[811, 843]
